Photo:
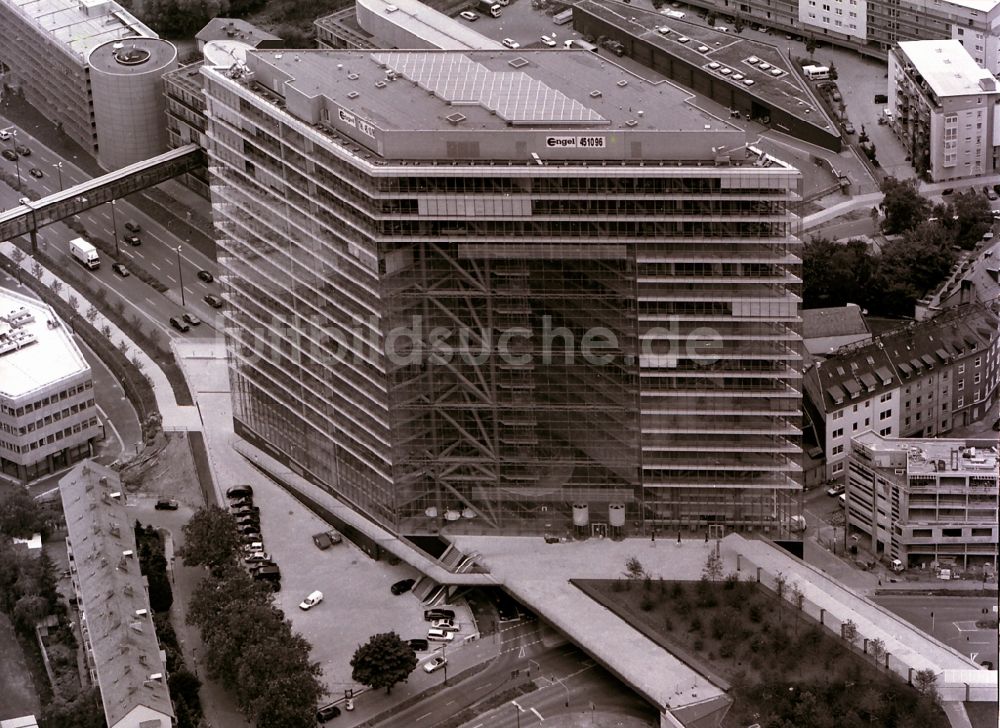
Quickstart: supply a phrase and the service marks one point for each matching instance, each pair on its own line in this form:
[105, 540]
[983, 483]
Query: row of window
[49, 439]
[51, 399]
[49, 419]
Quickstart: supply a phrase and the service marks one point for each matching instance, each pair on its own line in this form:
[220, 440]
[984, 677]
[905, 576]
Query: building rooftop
[819, 323]
[930, 455]
[79, 26]
[133, 56]
[239, 30]
[130, 671]
[36, 350]
[775, 82]
[344, 23]
[983, 6]
[187, 77]
[415, 18]
[947, 68]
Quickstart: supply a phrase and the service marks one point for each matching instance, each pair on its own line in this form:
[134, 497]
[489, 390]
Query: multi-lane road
[158, 253]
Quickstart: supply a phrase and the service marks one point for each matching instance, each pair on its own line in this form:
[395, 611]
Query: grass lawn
[781, 668]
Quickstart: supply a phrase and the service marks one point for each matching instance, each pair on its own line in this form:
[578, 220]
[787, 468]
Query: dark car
[204, 275]
[213, 301]
[133, 240]
[237, 503]
[179, 325]
[431, 614]
[947, 191]
[239, 491]
[327, 539]
[166, 504]
[996, 426]
[251, 522]
[267, 572]
[120, 269]
[419, 644]
[403, 586]
[245, 511]
[251, 537]
[133, 227]
[23, 150]
[328, 713]
[9, 154]
[36, 172]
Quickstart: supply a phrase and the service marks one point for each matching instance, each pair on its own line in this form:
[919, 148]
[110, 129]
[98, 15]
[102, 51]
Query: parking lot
[523, 24]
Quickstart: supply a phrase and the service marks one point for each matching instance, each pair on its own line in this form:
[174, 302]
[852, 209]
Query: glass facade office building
[448, 329]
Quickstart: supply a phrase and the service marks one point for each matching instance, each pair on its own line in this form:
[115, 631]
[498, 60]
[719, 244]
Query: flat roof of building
[187, 77]
[235, 29]
[420, 20]
[36, 350]
[133, 56]
[79, 26]
[742, 56]
[948, 68]
[936, 455]
[983, 6]
[486, 90]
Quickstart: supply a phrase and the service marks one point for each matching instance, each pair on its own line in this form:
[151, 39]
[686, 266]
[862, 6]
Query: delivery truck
[488, 7]
[85, 253]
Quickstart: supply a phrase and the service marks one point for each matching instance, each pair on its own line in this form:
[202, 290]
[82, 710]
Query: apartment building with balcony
[410, 295]
[873, 27]
[920, 380]
[944, 109]
[122, 653]
[48, 417]
[44, 53]
[925, 500]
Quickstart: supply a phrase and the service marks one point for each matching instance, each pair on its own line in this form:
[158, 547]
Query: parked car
[249, 548]
[23, 150]
[445, 624]
[996, 426]
[510, 43]
[834, 490]
[133, 240]
[418, 644]
[191, 319]
[468, 15]
[166, 504]
[431, 614]
[327, 539]
[250, 529]
[402, 586]
[239, 491]
[249, 519]
[328, 713]
[241, 511]
[439, 635]
[213, 301]
[849, 127]
[36, 173]
[133, 227]
[256, 556]
[9, 154]
[311, 601]
[179, 325]
[947, 191]
[120, 269]
[5, 134]
[270, 573]
[435, 663]
[548, 41]
[258, 565]
[204, 275]
[250, 537]
[244, 502]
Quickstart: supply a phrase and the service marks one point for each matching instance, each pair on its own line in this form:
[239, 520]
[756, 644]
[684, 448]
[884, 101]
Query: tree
[925, 681]
[20, 515]
[974, 217]
[278, 686]
[28, 610]
[910, 267]
[849, 631]
[633, 568]
[713, 566]
[210, 538]
[835, 274]
[184, 685]
[811, 45]
[83, 711]
[903, 205]
[384, 661]
[878, 650]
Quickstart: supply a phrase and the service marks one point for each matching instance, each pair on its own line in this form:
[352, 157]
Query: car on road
[239, 491]
[133, 227]
[510, 43]
[179, 325]
[435, 663]
[133, 240]
[548, 41]
[36, 173]
[418, 644]
[402, 586]
[255, 557]
[446, 624]
[192, 319]
[311, 601]
[204, 275]
[120, 269]
[9, 154]
[468, 15]
[991, 194]
[5, 134]
[849, 127]
[327, 539]
[834, 490]
[166, 504]
[439, 635]
[213, 301]
[328, 713]
[23, 150]
[431, 614]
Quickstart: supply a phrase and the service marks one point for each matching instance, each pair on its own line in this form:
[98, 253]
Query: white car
[311, 601]
[5, 135]
[550, 42]
[439, 635]
[256, 556]
[446, 625]
[511, 43]
[468, 15]
[435, 664]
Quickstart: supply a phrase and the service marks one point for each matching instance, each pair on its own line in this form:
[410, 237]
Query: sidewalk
[861, 202]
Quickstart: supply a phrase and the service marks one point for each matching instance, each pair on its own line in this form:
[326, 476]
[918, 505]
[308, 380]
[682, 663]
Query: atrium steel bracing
[493, 346]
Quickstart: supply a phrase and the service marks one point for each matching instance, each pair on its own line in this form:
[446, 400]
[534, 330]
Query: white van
[816, 73]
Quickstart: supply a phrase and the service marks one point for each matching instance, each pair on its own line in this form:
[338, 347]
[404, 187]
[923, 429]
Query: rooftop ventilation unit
[353, 76]
[631, 122]
[623, 83]
[353, 95]
[596, 94]
[455, 119]
[380, 84]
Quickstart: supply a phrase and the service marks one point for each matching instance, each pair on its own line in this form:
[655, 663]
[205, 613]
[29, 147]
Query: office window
[885, 414]
[839, 432]
[885, 432]
[838, 449]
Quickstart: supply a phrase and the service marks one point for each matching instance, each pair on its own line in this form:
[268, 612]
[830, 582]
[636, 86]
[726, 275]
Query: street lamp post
[517, 712]
[13, 148]
[114, 225]
[59, 166]
[180, 276]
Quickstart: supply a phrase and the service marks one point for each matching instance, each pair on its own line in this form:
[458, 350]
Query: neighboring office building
[238, 30]
[944, 109]
[926, 500]
[44, 49]
[123, 655]
[411, 24]
[974, 279]
[341, 221]
[48, 418]
[920, 380]
[873, 27]
[824, 330]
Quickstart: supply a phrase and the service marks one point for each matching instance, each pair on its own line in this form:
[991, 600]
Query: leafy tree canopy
[903, 205]
[20, 515]
[384, 661]
[974, 217]
[210, 538]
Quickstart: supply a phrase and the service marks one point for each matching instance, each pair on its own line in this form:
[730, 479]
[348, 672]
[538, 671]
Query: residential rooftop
[36, 350]
[834, 321]
[79, 26]
[119, 620]
[931, 455]
[947, 68]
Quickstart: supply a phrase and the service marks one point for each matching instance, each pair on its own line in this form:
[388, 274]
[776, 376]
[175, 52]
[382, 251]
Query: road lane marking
[425, 715]
[482, 687]
[171, 278]
[540, 718]
[155, 266]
